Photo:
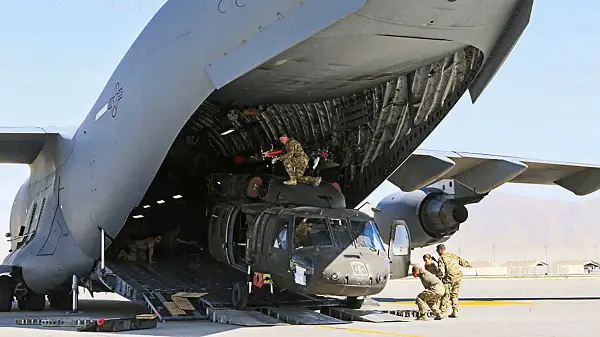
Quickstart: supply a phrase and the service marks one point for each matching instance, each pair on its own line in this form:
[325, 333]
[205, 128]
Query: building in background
[484, 268]
[591, 267]
[526, 268]
[574, 267]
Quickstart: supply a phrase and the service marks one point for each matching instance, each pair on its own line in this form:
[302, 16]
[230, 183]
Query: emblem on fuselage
[113, 102]
[359, 269]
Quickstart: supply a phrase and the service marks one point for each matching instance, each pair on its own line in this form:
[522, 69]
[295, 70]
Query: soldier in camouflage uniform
[295, 162]
[451, 275]
[431, 264]
[434, 290]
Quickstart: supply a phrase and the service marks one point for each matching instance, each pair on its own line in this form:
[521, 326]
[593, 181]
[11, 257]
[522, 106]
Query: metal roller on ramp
[364, 315]
[138, 322]
[241, 317]
[301, 316]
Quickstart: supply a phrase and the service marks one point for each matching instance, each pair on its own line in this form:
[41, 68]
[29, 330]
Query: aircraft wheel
[239, 295]
[6, 294]
[354, 303]
[21, 304]
[33, 301]
[60, 300]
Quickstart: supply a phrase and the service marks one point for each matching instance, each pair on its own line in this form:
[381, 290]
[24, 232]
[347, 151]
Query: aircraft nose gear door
[399, 250]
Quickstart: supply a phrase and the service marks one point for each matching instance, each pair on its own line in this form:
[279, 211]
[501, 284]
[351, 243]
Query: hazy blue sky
[57, 56]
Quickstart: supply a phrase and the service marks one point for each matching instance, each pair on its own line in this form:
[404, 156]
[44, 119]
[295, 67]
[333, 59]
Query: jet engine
[433, 214]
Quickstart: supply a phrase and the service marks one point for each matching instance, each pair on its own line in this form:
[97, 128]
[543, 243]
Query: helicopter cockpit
[326, 251]
[321, 232]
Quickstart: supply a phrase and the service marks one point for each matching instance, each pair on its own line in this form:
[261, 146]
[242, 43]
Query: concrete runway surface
[489, 309]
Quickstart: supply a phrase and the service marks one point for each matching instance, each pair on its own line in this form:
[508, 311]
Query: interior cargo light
[138, 216]
[160, 202]
[146, 206]
[178, 196]
[226, 132]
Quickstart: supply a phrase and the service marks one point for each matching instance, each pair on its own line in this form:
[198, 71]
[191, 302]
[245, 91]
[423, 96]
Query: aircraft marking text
[113, 102]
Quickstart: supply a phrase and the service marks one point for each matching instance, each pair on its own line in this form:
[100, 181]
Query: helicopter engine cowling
[431, 215]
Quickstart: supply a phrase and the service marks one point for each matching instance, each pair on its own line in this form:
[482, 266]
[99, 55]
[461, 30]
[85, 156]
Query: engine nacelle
[431, 214]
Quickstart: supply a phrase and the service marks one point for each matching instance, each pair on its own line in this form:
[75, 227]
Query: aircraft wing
[483, 172]
[21, 145]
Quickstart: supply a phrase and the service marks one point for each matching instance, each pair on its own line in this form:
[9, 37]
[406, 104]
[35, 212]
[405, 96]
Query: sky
[57, 56]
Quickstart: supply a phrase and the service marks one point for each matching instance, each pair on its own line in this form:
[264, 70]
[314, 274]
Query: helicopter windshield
[311, 232]
[362, 233]
[314, 232]
[366, 234]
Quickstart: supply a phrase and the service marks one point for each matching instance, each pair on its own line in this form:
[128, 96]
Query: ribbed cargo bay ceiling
[368, 133]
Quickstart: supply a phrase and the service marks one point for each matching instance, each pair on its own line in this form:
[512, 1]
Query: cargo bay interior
[357, 136]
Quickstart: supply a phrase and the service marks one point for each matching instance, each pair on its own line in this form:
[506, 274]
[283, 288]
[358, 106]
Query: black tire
[239, 295]
[60, 301]
[21, 304]
[34, 302]
[354, 303]
[6, 294]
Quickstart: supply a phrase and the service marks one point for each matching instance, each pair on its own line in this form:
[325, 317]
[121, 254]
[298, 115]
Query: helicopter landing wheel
[354, 302]
[239, 295]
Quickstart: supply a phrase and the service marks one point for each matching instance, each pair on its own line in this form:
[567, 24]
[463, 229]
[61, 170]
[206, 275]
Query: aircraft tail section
[22, 145]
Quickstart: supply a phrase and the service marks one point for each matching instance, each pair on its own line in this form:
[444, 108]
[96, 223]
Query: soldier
[451, 275]
[295, 162]
[148, 245]
[431, 264]
[131, 256]
[434, 290]
[301, 235]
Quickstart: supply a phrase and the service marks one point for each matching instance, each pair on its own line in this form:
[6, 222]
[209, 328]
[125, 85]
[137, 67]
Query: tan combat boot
[454, 313]
[290, 182]
[422, 317]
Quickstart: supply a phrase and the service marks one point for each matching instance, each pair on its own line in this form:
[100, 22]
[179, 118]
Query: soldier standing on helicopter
[295, 162]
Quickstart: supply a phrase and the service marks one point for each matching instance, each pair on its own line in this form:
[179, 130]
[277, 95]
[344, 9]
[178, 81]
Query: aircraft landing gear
[60, 300]
[240, 295]
[354, 302]
[32, 301]
[6, 294]
[258, 287]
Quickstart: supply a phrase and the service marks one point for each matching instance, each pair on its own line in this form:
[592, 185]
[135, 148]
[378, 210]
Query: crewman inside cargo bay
[295, 162]
[434, 290]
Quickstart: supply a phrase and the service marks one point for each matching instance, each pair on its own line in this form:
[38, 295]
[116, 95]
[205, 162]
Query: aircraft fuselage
[310, 53]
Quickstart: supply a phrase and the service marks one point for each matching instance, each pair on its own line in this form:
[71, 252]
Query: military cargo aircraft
[209, 82]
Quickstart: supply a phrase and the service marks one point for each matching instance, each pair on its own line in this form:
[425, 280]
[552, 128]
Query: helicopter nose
[353, 271]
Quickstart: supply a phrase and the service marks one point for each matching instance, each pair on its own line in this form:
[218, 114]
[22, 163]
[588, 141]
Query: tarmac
[488, 307]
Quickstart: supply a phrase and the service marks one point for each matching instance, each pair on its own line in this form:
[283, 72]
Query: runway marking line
[375, 332]
[475, 303]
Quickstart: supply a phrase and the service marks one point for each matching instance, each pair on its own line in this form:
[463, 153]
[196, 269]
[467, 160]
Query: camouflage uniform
[451, 275]
[131, 256]
[432, 268]
[434, 290]
[295, 162]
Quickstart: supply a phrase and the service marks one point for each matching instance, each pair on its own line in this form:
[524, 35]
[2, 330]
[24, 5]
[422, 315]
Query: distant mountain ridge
[519, 227]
